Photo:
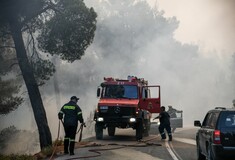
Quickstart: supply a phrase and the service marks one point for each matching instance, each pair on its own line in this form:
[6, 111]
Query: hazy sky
[207, 23]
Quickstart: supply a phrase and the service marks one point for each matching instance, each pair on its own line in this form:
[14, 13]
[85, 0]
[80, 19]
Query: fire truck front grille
[117, 111]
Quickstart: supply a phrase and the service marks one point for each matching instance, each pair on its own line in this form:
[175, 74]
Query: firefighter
[71, 113]
[172, 112]
[164, 118]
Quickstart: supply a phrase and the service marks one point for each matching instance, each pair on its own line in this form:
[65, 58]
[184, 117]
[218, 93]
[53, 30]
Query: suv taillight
[217, 137]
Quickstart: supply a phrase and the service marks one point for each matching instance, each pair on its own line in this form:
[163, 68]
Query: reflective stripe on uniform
[69, 107]
[72, 140]
[79, 113]
[66, 138]
[61, 112]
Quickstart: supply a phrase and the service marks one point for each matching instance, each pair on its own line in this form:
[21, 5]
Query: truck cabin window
[120, 91]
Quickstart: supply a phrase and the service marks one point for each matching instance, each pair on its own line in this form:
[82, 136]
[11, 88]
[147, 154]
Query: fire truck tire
[111, 130]
[139, 130]
[99, 131]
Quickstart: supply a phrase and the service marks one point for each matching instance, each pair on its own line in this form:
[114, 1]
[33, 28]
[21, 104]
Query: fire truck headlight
[100, 119]
[132, 120]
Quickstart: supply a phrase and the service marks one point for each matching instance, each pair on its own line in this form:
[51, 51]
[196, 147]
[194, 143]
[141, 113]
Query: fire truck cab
[126, 103]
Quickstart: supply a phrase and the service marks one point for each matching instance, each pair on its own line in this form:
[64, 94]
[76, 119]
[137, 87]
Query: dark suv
[216, 137]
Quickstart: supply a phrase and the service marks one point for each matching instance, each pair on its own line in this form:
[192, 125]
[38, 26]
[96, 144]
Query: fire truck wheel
[111, 130]
[99, 131]
[139, 130]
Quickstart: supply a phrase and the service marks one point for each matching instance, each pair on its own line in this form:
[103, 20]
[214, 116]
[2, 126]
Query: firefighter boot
[66, 146]
[170, 137]
[71, 147]
[163, 135]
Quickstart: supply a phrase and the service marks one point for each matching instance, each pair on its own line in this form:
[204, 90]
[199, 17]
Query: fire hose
[120, 146]
[80, 130]
[98, 151]
[56, 141]
[58, 134]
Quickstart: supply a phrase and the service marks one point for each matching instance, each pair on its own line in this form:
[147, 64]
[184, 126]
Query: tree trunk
[31, 84]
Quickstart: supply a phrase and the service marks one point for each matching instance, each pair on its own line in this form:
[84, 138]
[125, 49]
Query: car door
[177, 122]
[151, 99]
[203, 132]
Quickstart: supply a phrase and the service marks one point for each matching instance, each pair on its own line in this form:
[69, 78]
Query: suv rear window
[210, 120]
[228, 119]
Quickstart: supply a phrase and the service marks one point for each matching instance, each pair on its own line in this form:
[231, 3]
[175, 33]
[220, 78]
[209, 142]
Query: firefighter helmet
[74, 98]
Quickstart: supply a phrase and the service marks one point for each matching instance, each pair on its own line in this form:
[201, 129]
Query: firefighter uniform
[71, 113]
[164, 119]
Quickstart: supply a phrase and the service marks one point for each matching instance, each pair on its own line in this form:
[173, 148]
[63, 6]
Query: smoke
[13, 141]
[135, 39]
[210, 24]
[131, 39]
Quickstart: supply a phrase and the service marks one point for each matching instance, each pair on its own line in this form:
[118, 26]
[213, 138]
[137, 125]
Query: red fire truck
[126, 103]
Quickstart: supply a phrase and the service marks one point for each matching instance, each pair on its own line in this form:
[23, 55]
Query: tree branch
[51, 6]
[7, 47]
[13, 64]
[32, 40]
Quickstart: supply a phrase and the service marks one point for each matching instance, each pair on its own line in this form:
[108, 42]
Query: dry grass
[17, 157]
[45, 153]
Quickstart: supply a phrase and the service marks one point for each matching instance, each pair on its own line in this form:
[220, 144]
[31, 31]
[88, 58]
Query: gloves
[83, 124]
[60, 116]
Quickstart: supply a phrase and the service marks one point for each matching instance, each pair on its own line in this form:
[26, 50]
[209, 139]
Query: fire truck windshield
[120, 91]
